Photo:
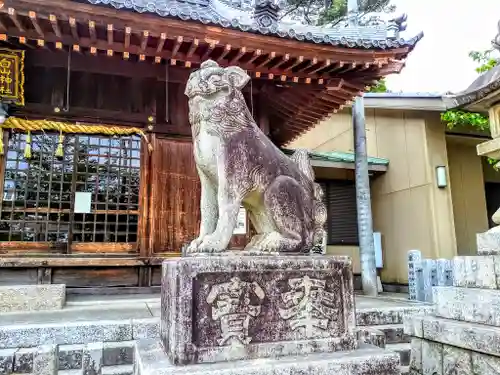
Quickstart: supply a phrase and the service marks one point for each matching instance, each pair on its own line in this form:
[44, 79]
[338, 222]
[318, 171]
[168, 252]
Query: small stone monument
[276, 307]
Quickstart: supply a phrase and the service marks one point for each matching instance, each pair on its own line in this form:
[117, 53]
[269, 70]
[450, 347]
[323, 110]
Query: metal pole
[363, 201]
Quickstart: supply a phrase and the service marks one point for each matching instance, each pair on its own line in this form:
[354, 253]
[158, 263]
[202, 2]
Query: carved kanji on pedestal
[308, 305]
[232, 304]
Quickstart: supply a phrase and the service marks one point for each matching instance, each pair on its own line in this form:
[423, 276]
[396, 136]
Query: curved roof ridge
[368, 33]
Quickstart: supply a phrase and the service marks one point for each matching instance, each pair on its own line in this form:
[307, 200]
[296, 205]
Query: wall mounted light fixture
[441, 177]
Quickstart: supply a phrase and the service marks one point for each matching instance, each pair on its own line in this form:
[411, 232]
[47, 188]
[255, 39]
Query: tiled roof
[483, 86]
[339, 157]
[372, 32]
[486, 84]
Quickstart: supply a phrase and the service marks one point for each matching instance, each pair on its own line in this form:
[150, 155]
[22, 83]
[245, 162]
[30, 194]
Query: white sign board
[83, 203]
[377, 241]
[241, 222]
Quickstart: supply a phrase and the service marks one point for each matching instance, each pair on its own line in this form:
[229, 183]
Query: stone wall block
[469, 305]
[7, 361]
[488, 243]
[45, 360]
[456, 361]
[70, 356]
[23, 362]
[471, 336]
[416, 354]
[413, 325]
[92, 359]
[372, 336]
[485, 364]
[475, 272]
[432, 358]
[118, 353]
[146, 328]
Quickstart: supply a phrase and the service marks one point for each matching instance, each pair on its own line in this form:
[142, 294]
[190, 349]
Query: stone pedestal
[463, 335]
[228, 308]
[268, 314]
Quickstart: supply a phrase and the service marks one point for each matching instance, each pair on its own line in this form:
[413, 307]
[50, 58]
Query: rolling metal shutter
[342, 221]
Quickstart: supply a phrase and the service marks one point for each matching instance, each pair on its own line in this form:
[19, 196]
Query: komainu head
[211, 79]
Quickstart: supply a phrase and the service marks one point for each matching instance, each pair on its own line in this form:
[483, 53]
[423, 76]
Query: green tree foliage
[321, 12]
[484, 59]
[456, 118]
[381, 86]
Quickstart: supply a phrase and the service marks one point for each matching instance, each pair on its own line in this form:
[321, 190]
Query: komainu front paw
[211, 245]
[193, 246]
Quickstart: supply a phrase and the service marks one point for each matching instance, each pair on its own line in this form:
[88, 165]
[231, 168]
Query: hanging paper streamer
[27, 148]
[60, 150]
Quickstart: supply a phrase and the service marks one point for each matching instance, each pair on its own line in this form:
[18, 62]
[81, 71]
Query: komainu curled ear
[237, 77]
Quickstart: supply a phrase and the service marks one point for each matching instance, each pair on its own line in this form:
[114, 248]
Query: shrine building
[96, 163]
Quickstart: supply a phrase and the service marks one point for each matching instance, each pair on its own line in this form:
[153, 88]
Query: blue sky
[452, 28]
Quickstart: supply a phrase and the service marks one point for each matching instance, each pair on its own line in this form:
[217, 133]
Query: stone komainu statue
[239, 165]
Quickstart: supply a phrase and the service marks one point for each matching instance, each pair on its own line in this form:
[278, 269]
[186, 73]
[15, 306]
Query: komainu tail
[301, 158]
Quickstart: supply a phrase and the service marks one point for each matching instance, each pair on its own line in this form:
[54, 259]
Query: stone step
[404, 351]
[467, 304]
[367, 360]
[405, 370]
[471, 336]
[394, 333]
[118, 370]
[393, 315]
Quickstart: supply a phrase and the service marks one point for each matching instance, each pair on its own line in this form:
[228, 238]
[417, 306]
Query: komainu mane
[239, 165]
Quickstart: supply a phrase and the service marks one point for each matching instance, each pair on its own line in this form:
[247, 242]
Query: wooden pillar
[363, 201]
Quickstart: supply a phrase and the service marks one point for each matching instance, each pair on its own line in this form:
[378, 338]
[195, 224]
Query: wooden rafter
[34, 22]
[264, 62]
[92, 33]
[239, 55]
[13, 16]
[225, 52]
[110, 33]
[161, 42]
[299, 60]
[55, 25]
[177, 45]
[128, 31]
[208, 52]
[144, 40]
[74, 31]
[192, 48]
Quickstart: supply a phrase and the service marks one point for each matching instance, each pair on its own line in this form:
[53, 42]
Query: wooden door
[175, 195]
[175, 198]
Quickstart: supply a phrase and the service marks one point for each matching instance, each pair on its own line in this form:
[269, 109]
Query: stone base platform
[32, 297]
[227, 308]
[150, 359]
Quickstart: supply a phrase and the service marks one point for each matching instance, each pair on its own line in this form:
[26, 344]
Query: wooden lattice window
[40, 194]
